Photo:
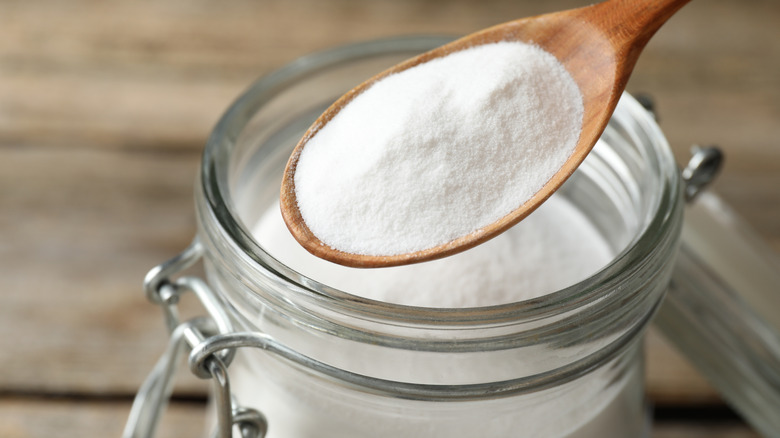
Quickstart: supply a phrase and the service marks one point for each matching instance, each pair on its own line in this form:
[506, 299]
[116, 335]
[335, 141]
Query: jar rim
[214, 183]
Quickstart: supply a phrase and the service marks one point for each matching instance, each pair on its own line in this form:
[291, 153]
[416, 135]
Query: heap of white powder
[440, 150]
[555, 247]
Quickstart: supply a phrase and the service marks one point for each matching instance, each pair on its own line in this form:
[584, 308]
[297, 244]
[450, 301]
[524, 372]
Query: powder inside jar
[440, 150]
[555, 247]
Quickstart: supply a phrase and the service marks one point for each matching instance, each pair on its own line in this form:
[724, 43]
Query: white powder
[604, 404]
[553, 248]
[439, 151]
[419, 159]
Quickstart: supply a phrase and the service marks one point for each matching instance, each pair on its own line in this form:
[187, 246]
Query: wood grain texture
[81, 228]
[21, 418]
[104, 109]
[63, 418]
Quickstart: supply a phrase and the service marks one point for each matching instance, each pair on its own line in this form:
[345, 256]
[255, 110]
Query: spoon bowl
[598, 45]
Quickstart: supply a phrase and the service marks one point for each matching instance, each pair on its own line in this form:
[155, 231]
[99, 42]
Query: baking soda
[554, 247]
[299, 405]
[440, 150]
[419, 159]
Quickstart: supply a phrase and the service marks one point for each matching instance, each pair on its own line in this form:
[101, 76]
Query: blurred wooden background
[104, 109]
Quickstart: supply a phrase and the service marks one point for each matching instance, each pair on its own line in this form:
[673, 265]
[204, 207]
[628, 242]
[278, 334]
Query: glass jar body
[609, 401]
[566, 364]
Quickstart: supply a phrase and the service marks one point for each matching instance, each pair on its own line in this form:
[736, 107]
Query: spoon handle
[625, 26]
[631, 23]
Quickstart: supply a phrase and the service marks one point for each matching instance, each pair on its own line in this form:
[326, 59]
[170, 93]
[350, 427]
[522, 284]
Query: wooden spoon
[598, 45]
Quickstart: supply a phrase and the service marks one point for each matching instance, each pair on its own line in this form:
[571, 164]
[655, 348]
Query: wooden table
[104, 109]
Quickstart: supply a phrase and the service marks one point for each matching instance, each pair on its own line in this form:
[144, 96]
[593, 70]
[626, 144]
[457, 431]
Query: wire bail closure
[702, 168]
[191, 335]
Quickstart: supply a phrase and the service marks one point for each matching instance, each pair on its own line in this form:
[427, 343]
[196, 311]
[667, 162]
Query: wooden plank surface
[22, 419]
[105, 106]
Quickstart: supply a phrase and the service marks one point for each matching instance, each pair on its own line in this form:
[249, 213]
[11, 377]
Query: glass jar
[567, 364]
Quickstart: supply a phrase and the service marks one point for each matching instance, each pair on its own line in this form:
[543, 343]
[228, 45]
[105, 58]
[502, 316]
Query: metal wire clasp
[155, 392]
[701, 170]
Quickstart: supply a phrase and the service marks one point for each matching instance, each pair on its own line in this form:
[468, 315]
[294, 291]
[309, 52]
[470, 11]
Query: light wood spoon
[598, 45]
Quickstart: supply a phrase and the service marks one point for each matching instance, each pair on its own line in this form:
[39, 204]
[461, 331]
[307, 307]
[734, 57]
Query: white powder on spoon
[440, 150]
